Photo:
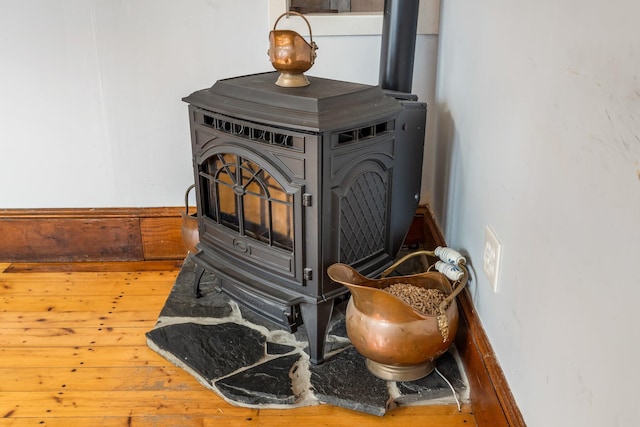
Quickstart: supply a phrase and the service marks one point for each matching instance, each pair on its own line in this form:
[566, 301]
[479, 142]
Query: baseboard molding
[491, 398]
[86, 235]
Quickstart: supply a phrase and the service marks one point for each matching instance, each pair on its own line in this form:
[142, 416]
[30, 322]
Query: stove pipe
[399, 25]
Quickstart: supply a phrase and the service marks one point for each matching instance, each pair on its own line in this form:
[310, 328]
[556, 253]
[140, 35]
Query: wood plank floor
[73, 353]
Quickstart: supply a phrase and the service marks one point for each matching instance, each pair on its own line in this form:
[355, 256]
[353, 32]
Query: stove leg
[316, 319]
[196, 280]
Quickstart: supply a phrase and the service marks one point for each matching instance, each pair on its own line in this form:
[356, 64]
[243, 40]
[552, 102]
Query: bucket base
[292, 80]
[399, 373]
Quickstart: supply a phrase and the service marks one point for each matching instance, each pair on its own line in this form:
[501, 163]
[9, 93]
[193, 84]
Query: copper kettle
[399, 342]
[291, 54]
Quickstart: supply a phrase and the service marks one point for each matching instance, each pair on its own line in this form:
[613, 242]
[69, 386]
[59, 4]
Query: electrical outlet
[491, 257]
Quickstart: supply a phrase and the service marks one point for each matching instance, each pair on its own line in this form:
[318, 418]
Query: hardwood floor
[73, 353]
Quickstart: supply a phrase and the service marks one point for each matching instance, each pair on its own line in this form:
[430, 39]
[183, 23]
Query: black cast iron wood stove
[292, 180]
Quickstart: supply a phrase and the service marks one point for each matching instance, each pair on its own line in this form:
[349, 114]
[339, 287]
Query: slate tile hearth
[250, 362]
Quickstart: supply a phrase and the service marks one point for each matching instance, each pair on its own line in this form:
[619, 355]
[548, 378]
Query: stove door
[249, 210]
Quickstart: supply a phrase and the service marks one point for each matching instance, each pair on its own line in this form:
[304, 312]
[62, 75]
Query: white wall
[91, 104]
[538, 136]
[90, 92]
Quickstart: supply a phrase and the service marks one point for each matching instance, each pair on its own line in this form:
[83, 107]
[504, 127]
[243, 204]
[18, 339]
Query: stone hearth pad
[250, 362]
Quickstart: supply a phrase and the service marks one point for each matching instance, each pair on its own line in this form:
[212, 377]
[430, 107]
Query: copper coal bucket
[190, 235]
[291, 54]
[398, 341]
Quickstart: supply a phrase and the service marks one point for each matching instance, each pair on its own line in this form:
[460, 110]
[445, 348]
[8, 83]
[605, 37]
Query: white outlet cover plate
[491, 257]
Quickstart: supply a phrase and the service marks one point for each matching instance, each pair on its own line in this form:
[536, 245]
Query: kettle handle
[457, 288]
[186, 199]
[443, 253]
[395, 265]
[297, 14]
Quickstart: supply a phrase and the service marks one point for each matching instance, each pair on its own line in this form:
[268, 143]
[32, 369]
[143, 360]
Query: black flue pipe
[399, 25]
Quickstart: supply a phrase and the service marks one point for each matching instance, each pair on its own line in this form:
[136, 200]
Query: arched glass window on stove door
[246, 198]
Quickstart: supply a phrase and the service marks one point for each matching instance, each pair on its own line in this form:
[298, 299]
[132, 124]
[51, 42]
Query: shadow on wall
[444, 141]
[448, 185]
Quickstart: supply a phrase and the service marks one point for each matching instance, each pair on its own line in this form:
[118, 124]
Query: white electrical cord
[455, 395]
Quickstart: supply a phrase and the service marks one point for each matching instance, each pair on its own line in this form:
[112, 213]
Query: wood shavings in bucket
[426, 301]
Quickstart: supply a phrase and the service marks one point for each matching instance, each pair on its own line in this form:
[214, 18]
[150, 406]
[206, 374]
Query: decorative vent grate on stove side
[363, 218]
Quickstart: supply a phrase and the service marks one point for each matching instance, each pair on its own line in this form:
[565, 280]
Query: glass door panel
[248, 199]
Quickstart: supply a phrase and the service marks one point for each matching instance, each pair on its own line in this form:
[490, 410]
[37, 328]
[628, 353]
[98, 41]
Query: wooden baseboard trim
[491, 398]
[87, 235]
[93, 267]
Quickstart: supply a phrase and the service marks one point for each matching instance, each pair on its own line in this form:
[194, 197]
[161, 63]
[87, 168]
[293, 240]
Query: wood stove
[292, 180]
